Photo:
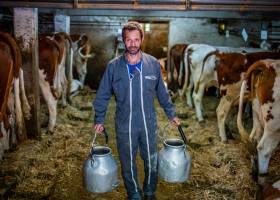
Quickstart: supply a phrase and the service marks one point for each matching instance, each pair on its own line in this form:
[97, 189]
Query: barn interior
[45, 166]
[171, 22]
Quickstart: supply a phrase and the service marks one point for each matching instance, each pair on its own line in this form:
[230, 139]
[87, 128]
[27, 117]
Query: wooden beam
[135, 6]
[34, 4]
[178, 5]
[88, 15]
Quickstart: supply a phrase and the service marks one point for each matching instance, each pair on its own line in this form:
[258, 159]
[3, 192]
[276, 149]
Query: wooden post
[26, 33]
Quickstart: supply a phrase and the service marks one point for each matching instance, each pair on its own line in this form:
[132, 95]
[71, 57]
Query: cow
[6, 78]
[14, 106]
[230, 68]
[52, 78]
[81, 48]
[261, 82]
[175, 68]
[61, 82]
[193, 59]
[163, 66]
[270, 191]
[200, 72]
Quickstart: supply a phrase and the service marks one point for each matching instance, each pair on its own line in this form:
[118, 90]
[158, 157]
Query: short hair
[131, 26]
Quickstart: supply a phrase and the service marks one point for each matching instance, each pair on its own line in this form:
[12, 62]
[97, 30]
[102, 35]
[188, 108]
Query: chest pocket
[150, 82]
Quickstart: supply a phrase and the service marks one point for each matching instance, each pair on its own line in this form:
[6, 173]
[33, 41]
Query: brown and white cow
[6, 79]
[163, 66]
[65, 42]
[81, 48]
[52, 78]
[13, 101]
[270, 191]
[175, 68]
[230, 68]
[263, 82]
[200, 72]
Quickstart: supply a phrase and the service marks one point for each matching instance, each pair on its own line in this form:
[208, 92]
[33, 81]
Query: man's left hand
[175, 121]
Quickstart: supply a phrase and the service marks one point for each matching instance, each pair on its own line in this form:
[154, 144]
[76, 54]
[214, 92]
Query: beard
[132, 50]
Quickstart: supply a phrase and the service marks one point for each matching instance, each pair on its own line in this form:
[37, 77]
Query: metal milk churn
[100, 170]
[174, 161]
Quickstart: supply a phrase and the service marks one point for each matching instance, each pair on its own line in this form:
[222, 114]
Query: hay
[52, 168]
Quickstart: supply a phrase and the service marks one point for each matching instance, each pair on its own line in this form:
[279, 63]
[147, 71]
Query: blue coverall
[135, 118]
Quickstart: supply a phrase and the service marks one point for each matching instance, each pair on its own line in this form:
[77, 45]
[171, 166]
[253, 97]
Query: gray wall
[193, 30]
[202, 30]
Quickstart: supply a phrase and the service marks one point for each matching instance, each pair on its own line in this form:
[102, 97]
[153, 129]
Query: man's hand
[175, 121]
[98, 128]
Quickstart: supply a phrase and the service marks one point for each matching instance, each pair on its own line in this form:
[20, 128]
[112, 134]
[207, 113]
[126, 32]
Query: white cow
[193, 58]
[81, 48]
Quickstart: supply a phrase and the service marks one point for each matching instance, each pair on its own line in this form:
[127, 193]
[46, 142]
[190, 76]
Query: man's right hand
[98, 128]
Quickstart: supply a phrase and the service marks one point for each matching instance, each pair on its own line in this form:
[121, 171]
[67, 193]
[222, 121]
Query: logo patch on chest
[151, 77]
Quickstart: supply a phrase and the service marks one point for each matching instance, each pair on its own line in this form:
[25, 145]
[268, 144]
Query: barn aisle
[52, 168]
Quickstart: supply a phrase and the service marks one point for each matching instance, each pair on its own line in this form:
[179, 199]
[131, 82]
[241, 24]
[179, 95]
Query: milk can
[174, 161]
[100, 171]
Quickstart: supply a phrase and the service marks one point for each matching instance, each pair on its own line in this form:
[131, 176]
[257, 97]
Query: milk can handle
[116, 184]
[93, 142]
[105, 135]
[182, 134]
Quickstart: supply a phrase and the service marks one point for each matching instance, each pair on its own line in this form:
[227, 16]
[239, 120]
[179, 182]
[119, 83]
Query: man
[134, 78]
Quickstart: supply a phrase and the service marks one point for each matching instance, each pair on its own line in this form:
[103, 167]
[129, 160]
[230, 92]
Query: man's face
[132, 41]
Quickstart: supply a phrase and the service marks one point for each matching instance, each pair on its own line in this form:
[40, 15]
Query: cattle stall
[47, 162]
